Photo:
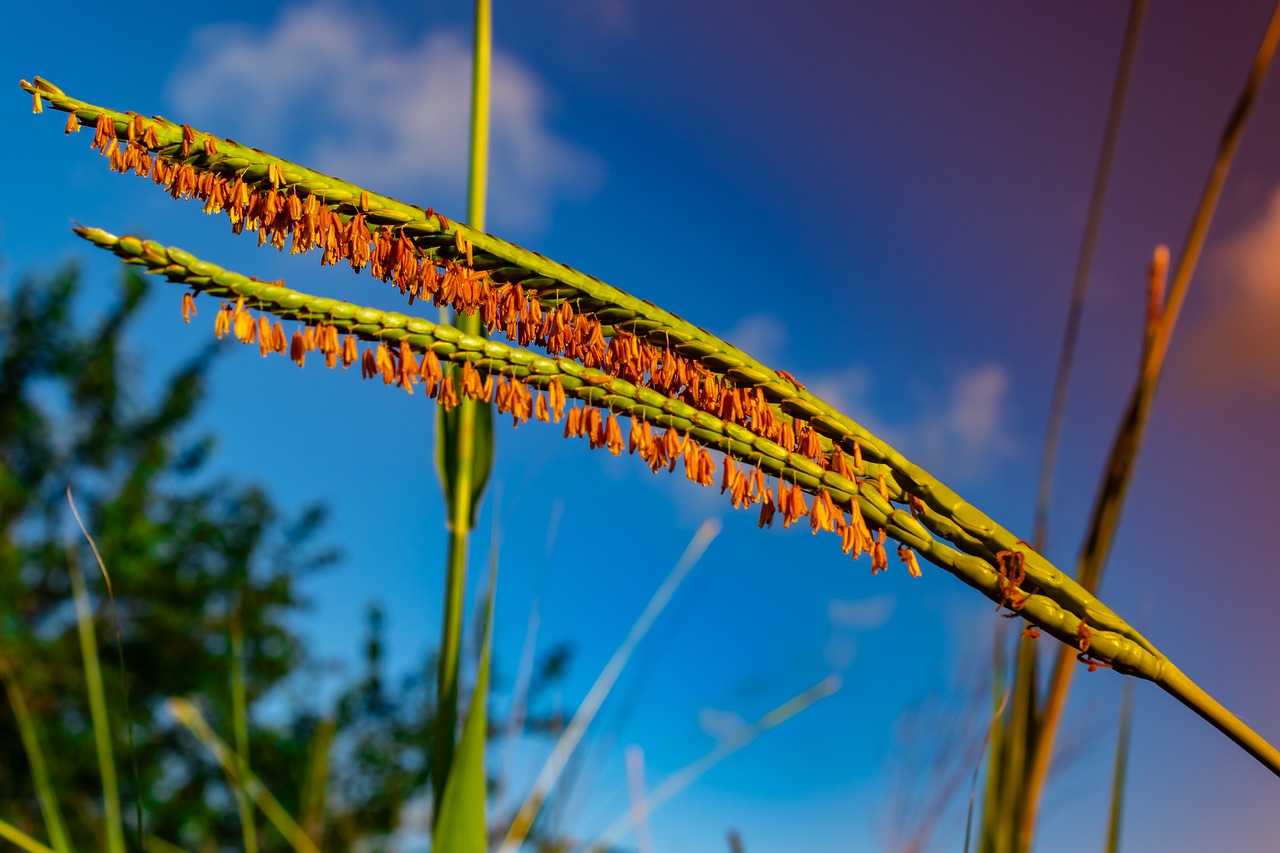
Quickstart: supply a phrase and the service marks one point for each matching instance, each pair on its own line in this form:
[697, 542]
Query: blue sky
[885, 201]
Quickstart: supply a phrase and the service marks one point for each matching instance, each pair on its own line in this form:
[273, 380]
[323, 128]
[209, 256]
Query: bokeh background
[884, 199]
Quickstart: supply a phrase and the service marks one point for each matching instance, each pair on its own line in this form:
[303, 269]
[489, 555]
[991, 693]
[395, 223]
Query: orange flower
[879, 559]
[556, 392]
[613, 435]
[382, 359]
[266, 339]
[189, 307]
[448, 394]
[430, 372]
[298, 348]
[350, 351]
[908, 557]
[408, 367]
[222, 323]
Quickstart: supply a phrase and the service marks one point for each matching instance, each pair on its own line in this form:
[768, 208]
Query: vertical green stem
[1121, 771]
[45, 794]
[239, 716]
[460, 487]
[97, 710]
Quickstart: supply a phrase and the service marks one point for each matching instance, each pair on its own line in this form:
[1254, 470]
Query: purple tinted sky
[898, 192]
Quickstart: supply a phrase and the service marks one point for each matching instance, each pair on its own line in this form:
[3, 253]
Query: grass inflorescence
[686, 392]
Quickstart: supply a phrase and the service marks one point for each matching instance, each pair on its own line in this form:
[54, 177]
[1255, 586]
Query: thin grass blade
[100, 721]
[21, 840]
[677, 782]
[599, 691]
[462, 825]
[190, 717]
[45, 794]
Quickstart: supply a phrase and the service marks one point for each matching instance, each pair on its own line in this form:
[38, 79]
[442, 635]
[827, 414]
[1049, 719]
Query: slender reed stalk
[101, 723]
[690, 773]
[21, 840]
[1120, 771]
[313, 792]
[190, 717]
[464, 434]
[1162, 318]
[240, 722]
[1084, 264]
[45, 793]
[586, 712]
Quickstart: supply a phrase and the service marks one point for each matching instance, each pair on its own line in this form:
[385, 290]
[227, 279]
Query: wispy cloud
[384, 111]
[1236, 346]
[958, 431]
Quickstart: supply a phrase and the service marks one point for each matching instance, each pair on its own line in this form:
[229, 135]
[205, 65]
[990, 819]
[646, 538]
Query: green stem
[459, 498]
[239, 716]
[48, 800]
[97, 709]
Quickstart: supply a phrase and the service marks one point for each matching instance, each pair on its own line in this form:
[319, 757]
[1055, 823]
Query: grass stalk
[45, 794]
[463, 442]
[21, 840]
[1163, 317]
[604, 682]
[113, 824]
[692, 772]
[1120, 771]
[313, 792]
[240, 723]
[639, 814]
[1084, 264]
[190, 717]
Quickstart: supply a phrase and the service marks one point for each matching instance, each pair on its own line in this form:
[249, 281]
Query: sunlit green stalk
[17, 837]
[45, 794]
[189, 716]
[239, 717]
[460, 435]
[114, 827]
[1120, 772]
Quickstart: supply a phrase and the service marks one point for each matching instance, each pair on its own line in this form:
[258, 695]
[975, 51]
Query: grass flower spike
[610, 360]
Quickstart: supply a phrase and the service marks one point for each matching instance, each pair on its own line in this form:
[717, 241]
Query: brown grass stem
[1084, 263]
[1124, 452]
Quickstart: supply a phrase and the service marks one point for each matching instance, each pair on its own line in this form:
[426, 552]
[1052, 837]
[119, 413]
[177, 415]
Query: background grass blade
[462, 825]
[586, 712]
[49, 808]
[464, 435]
[1121, 771]
[100, 721]
[21, 840]
[690, 773]
[239, 717]
[190, 717]
[1162, 318]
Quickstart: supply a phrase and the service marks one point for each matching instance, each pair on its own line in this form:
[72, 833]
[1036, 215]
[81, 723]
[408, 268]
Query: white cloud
[1237, 344]
[761, 336]
[862, 614]
[380, 110]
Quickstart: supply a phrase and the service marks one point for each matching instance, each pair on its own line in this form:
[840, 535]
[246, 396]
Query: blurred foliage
[187, 552]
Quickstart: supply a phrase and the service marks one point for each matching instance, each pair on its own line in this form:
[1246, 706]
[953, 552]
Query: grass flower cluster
[609, 361]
